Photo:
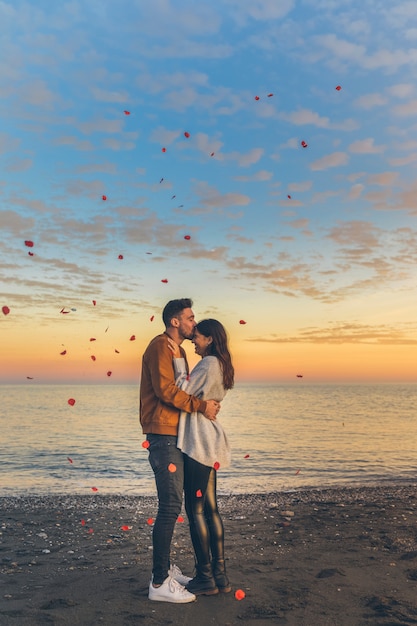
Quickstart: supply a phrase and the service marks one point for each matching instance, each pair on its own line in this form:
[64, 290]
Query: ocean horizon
[287, 436]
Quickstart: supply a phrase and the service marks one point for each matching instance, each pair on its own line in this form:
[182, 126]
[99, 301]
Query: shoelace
[174, 586]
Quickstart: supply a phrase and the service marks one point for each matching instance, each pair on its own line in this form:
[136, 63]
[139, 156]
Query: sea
[284, 437]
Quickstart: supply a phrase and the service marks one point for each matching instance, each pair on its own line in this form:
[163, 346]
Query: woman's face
[201, 342]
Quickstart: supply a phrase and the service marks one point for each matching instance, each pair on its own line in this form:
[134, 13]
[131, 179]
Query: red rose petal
[63, 352]
[199, 493]
[90, 531]
[93, 339]
[297, 472]
[246, 456]
[187, 237]
[126, 112]
[270, 95]
[338, 88]
[216, 465]
[186, 134]
[104, 197]
[5, 310]
[242, 322]
[150, 521]
[289, 197]
[164, 149]
[212, 154]
[256, 97]
[94, 489]
[69, 459]
[109, 373]
[145, 444]
[94, 302]
[132, 338]
[29, 243]
[239, 594]
[304, 144]
[180, 519]
[92, 357]
[30, 254]
[120, 257]
[83, 522]
[164, 280]
[117, 351]
[152, 318]
[125, 528]
[71, 401]
[172, 468]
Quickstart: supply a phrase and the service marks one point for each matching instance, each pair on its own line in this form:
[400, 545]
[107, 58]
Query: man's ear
[175, 322]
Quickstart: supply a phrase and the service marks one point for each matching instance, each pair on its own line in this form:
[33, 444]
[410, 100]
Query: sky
[254, 155]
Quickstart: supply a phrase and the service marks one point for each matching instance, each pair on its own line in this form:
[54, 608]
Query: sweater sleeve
[181, 373]
[161, 370]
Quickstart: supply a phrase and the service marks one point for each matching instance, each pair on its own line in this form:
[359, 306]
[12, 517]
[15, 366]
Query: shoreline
[332, 556]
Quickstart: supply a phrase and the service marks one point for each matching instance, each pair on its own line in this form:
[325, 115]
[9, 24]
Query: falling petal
[242, 322]
[270, 95]
[239, 594]
[304, 144]
[256, 97]
[93, 339]
[125, 528]
[164, 280]
[246, 456]
[297, 472]
[69, 459]
[212, 154]
[120, 257]
[64, 312]
[145, 444]
[29, 377]
[116, 351]
[164, 149]
[90, 531]
[338, 88]
[63, 352]
[29, 243]
[5, 310]
[216, 465]
[150, 521]
[92, 357]
[180, 519]
[83, 522]
[186, 134]
[109, 373]
[104, 197]
[187, 237]
[126, 112]
[71, 401]
[30, 254]
[172, 197]
[161, 181]
[132, 338]
[94, 489]
[152, 318]
[289, 197]
[172, 468]
[199, 493]
[94, 302]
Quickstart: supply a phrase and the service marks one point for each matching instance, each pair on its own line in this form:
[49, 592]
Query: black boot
[203, 583]
[220, 576]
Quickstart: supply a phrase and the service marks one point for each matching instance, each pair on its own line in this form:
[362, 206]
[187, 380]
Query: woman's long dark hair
[218, 347]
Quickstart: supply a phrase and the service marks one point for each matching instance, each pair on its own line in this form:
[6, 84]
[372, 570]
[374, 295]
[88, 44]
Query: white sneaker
[175, 572]
[170, 591]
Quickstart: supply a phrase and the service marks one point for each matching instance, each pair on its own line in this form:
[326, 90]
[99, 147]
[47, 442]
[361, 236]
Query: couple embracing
[178, 411]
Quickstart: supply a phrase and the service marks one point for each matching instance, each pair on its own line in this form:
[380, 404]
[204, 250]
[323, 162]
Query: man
[160, 404]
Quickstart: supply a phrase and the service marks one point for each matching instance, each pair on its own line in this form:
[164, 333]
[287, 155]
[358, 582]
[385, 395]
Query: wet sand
[340, 557]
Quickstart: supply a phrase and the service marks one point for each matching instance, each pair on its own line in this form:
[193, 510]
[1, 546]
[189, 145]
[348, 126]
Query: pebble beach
[337, 557]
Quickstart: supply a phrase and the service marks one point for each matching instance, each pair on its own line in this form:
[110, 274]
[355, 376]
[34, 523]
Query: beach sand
[345, 557]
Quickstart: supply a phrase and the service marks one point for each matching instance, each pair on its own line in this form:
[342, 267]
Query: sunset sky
[189, 119]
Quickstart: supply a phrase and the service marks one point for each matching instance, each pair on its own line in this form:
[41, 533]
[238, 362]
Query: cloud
[370, 101]
[70, 140]
[19, 165]
[164, 136]
[355, 191]
[384, 179]
[300, 187]
[103, 95]
[348, 332]
[100, 126]
[406, 110]
[365, 146]
[401, 161]
[401, 90]
[212, 198]
[336, 159]
[355, 233]
[304, 117]
[261, 176]
[260, 10]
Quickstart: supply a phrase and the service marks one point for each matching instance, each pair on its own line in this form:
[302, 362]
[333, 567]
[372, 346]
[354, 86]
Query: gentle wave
[283, 437]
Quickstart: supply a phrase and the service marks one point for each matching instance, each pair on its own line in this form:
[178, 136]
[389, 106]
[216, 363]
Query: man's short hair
[174, 308]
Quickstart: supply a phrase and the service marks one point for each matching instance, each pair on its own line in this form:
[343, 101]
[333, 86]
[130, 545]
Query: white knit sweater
[202, 439]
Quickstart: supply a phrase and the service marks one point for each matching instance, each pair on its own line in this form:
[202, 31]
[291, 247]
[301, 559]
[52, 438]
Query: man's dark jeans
[167, 463]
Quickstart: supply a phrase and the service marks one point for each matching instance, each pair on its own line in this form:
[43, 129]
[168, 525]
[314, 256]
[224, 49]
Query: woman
[206, 449]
